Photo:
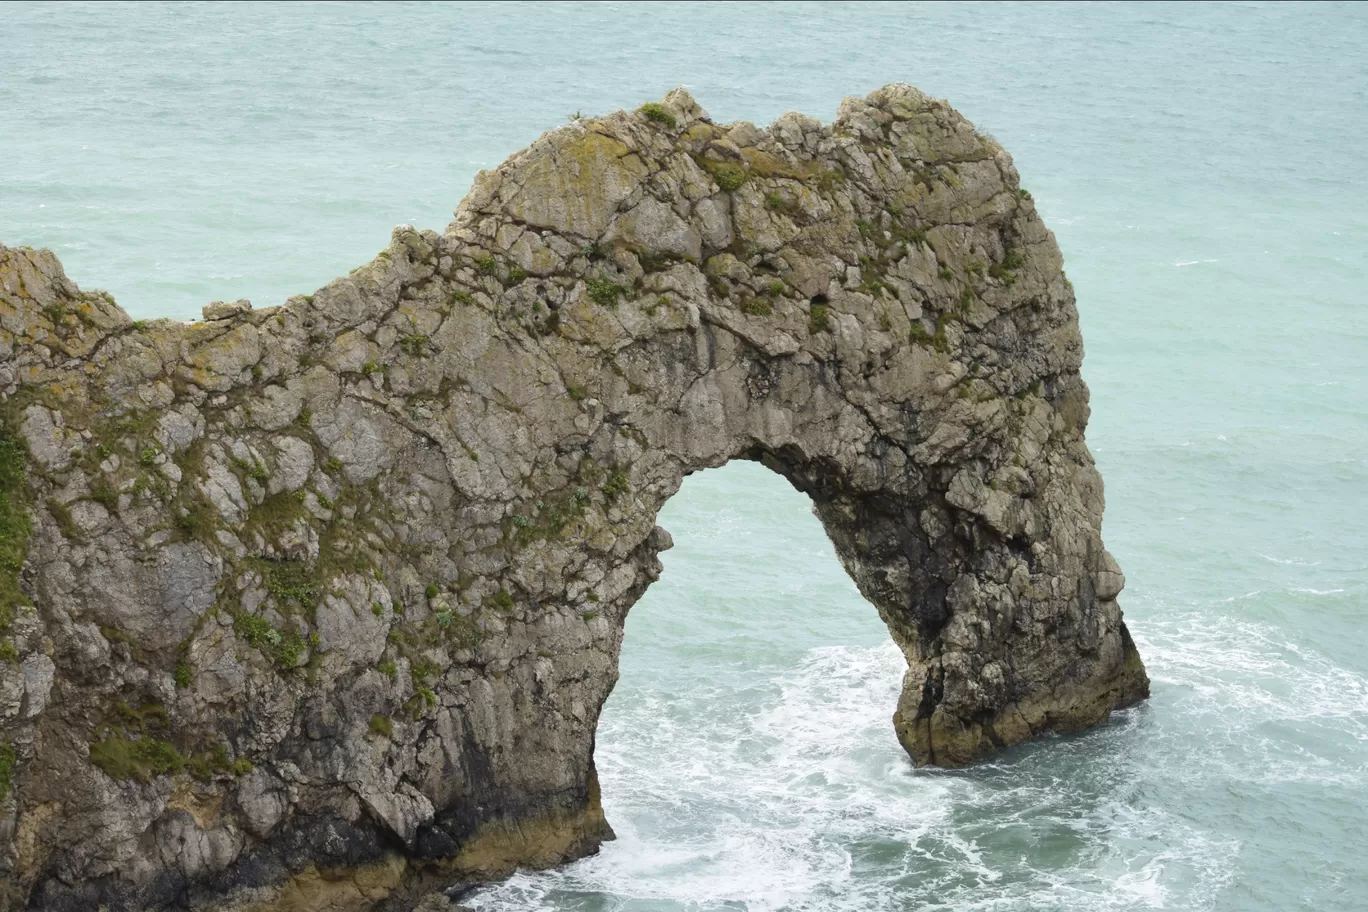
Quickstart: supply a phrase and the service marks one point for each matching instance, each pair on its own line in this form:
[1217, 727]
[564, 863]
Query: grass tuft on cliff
[8, 759]
[654, 110]
[730, 177]
[131, 745]
[15, 523]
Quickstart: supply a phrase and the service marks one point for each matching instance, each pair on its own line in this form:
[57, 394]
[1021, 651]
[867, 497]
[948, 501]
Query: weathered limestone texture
[315, 606]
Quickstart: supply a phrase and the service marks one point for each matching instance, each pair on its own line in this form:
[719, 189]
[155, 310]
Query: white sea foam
[1240, 598]
[1291, 561]
[772, 790]
[806, 802]
[1270, 710]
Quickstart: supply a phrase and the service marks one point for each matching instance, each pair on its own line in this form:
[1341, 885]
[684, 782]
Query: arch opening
[746, 749]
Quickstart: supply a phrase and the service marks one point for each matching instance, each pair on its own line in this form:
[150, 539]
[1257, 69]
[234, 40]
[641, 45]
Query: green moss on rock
[8, 761]
[756, 307]
[15, 523]
[819, 318]
[730, 177]
[125, 757]
[657, 112]
[604, 292]
[283, 647]
[136, 744]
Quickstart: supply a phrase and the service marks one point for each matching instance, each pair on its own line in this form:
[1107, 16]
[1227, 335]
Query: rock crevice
[319, 603]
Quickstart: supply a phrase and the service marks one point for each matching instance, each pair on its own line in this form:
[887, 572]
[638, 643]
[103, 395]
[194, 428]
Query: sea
[1205, 170]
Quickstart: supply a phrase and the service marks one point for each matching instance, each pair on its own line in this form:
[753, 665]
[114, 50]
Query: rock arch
[321, 602]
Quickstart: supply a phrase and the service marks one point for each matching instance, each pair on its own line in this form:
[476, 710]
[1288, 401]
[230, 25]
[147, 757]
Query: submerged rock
[316, 606]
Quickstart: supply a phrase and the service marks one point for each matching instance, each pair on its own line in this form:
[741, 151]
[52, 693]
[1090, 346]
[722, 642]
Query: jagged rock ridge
[314, 605]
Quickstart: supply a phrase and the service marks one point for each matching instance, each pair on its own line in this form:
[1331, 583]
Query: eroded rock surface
[315, 606]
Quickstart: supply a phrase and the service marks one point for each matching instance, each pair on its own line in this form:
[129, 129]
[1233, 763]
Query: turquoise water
[1203, 169]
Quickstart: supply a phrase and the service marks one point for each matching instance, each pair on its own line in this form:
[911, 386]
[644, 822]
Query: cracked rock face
[316, 606]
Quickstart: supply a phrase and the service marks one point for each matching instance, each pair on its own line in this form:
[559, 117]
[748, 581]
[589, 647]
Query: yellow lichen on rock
[572, 181]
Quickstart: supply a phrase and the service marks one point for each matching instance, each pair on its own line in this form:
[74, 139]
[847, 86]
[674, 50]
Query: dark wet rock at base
[316, 606]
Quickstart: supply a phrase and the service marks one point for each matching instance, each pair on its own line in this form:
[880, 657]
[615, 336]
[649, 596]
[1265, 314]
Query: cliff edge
[316, 606]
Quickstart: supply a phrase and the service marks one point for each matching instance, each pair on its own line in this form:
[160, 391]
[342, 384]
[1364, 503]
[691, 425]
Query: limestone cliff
[312, 606]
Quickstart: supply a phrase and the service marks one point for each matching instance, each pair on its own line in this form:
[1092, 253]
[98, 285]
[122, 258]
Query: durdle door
[316, 606]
